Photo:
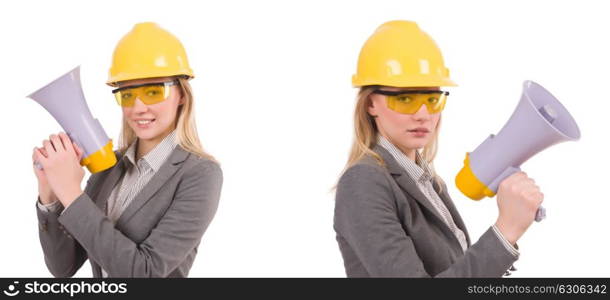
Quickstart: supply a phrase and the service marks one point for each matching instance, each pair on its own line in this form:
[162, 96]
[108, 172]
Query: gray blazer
[156, 236]
[386, 227]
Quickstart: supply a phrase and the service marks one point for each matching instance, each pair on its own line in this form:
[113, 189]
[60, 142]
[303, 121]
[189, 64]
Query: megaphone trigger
[540, 214]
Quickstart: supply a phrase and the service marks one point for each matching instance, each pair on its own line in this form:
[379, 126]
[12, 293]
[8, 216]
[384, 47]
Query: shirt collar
[418, 169]
[157, 156]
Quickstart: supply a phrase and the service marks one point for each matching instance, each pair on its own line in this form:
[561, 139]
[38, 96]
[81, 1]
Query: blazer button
[43, 227]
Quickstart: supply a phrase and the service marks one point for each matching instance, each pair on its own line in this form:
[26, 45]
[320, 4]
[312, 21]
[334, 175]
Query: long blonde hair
[365, 136]
[186, 128]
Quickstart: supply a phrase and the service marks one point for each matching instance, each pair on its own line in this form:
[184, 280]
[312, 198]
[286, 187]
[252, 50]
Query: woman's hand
[518, 200]
[44, 190]
[61, 173]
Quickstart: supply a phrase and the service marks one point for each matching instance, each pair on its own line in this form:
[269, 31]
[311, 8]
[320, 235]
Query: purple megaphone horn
[64, 100]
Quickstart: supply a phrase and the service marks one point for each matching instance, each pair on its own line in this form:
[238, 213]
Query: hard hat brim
[401, 81]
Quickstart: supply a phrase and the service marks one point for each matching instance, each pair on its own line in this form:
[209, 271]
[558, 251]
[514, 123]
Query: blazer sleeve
[63, 255]
[366, 216]
[177, 233]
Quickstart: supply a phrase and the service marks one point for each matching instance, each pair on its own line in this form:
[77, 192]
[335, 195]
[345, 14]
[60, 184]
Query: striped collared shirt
[421, 173]
[138, 174]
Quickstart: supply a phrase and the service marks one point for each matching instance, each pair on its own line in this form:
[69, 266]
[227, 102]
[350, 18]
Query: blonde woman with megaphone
[393, 215]
[145, 216]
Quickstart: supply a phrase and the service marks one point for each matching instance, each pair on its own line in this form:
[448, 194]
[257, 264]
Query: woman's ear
[182, 96]
[371, 108]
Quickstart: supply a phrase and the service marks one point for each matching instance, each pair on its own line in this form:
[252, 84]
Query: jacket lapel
[452, 209]
[405, 181]
[408, 185]
[166, 171]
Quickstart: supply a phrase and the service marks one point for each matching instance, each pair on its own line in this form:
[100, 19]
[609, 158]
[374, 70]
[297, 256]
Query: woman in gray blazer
[393, 215]
[145, 216]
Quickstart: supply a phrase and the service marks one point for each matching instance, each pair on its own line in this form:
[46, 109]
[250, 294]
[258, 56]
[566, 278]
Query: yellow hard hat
[399, 54]
[148, 51]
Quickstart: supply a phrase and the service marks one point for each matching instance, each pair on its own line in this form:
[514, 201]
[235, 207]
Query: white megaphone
[539, 121]
[64, 99]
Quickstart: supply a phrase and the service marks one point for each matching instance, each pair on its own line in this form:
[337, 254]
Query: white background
[274, 105]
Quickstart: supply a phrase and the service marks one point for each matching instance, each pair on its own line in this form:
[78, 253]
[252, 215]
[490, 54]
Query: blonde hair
[365, 136]
[186, 128]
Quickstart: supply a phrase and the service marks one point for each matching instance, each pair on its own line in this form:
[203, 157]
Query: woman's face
[406, 131]
[155, 121]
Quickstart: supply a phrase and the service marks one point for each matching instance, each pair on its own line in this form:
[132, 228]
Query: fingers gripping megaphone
[64, 99]
[539, 121]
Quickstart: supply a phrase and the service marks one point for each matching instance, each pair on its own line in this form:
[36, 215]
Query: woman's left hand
[62, 167]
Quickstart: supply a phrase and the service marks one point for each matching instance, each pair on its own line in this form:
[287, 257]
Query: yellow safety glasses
[148, 93]
[409, 102]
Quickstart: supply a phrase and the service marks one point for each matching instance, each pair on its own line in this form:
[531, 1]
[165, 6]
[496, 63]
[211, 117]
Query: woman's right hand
[518, 200]
[45, 192]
